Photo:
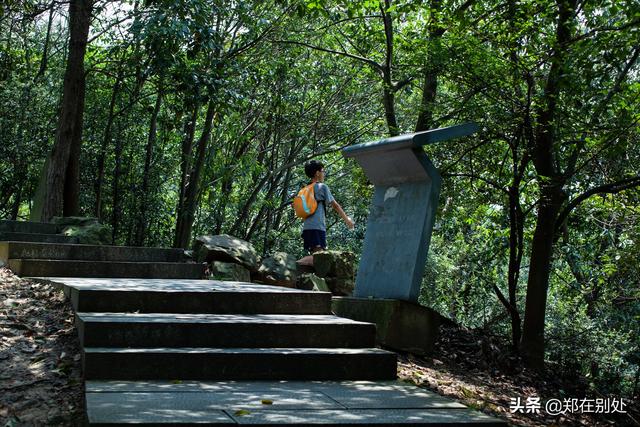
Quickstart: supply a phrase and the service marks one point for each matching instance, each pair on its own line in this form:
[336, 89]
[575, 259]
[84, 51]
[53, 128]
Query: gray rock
[226, 248]
[228, 271]
[311, 282]
[279, 267]
[334, 264]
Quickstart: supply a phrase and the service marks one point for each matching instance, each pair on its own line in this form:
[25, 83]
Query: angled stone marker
[402, 214]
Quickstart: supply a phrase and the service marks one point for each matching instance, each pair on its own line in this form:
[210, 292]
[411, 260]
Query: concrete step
[9, 236]
[74, 268]
[222, 330]
[190, 296]
[28, 227]
[289, 403]
[50, 251]
[238, 364]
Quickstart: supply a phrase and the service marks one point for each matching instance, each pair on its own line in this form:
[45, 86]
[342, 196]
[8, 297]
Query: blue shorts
[314, 238]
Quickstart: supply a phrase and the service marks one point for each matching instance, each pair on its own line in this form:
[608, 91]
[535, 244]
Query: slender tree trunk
[388, 91]
[185, 162]
[15, 209]
[183, 230]
[430, 78]
[117, 171]
[141, 227]
[106, 140]
[45, 49]
[516, 233]
[66, 149]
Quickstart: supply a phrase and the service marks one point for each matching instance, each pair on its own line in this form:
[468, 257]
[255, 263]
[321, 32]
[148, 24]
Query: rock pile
[232, 259]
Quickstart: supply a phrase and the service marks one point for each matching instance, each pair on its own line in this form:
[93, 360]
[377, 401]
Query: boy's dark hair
[312, 167]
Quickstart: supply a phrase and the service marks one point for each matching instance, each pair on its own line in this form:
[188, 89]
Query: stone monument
[401, 219]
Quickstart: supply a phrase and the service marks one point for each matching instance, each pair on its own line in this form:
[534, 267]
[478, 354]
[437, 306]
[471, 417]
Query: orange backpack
[305, 203]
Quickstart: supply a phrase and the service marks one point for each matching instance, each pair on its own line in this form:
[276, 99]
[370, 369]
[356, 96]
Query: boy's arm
[344, 216]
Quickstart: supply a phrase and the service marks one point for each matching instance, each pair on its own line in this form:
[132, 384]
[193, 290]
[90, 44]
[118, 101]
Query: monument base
[401, 325]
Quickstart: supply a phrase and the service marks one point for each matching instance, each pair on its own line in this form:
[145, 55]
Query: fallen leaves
[40, 379]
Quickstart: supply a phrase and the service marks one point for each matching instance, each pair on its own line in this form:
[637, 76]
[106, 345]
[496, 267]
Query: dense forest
[169, 119]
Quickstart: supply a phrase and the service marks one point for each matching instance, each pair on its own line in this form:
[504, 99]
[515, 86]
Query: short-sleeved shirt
[317, 221]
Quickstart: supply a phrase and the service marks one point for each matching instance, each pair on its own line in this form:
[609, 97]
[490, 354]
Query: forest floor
[41, 382]
[479, 372]
[40, 374]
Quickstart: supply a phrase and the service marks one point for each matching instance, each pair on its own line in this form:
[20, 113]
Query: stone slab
[222, 330]
[189, 296]
[239, 364]
[119, 269]
[401, 325]
[292, 403]
[153, 408]
[383, 417]
[395, 246]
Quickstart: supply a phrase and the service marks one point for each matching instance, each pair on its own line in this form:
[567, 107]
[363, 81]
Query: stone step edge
[84, 245]
[243, 350]
[124, 318]
[79, 261]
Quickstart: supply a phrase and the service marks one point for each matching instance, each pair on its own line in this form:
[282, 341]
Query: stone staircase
[44, 253]
[161, 347]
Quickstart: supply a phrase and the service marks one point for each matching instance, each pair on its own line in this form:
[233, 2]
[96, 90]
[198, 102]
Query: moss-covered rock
[88, 231]
[311, 282]
[334, 264]
[228, 271]
[280, 267]
[340, 286]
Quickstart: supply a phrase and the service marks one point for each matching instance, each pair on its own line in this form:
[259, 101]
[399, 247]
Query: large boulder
[88, 231]
[311, 282]
[279, 269]
[334, 264]
[228, 271]
[226, 248]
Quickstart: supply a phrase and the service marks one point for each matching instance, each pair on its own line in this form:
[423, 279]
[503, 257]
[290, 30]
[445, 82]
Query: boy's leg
[314, 241]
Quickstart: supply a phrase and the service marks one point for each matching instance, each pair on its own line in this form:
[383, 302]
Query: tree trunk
[15, 209]
[516, 234]
[539, 269]
[388, 91]
[66, 149]
[185, 161]
[552, 196]
[430, 83]
[183, 229]
[141, 228]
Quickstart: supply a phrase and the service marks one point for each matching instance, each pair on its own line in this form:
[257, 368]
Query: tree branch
[610, 188]
[367, 61]
[478, 177]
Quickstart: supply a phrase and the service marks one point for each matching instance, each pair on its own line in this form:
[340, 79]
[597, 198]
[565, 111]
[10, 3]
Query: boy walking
[314, 231]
